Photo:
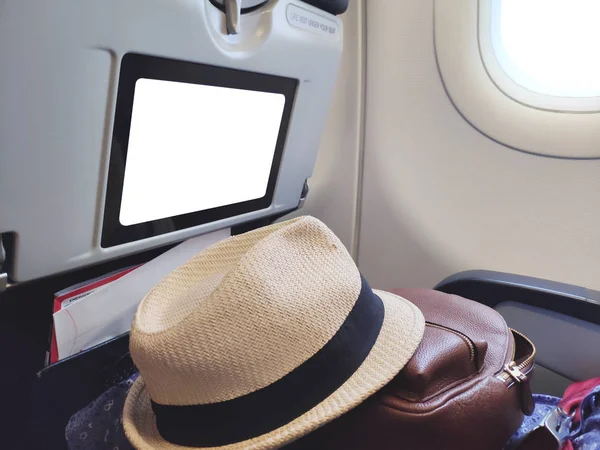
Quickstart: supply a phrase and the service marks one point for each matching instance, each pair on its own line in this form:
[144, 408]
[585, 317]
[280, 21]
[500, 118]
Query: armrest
[492, 288]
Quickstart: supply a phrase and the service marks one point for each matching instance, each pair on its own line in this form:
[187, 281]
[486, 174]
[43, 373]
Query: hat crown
[243, 313]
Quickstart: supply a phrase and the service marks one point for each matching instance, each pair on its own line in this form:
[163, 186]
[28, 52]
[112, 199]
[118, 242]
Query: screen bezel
[135, 66]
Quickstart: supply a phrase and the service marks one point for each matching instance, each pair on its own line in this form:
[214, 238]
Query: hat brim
[401, 332]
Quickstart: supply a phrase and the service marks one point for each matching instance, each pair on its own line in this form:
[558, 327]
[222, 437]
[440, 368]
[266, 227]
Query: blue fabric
[99, 425]
[543, 405]
[587, 435]
[66, 387]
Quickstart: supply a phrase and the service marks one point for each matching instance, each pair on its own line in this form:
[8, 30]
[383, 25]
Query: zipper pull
[527, 402]
[522, 381]
[513, 370]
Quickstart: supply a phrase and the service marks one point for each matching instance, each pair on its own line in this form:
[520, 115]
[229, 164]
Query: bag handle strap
[552, 434]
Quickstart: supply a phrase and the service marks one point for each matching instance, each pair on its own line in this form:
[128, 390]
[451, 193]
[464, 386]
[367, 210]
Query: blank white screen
[195, 147]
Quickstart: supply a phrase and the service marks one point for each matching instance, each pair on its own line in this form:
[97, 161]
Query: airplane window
[524, 72]
[549, 46]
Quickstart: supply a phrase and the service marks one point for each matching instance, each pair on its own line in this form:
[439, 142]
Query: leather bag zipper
[518, 372]
[463, 336]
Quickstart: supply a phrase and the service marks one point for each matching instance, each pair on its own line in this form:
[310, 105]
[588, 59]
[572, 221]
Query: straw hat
[260, 339]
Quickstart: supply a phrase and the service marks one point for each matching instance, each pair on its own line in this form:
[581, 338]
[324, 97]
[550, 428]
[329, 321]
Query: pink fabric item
[572, 399]
[575, 394]
[567, 446]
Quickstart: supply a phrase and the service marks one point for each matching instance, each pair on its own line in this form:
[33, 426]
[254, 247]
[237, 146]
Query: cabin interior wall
[439, 197]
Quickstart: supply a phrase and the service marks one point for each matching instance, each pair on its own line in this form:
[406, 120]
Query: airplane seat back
[127, 126]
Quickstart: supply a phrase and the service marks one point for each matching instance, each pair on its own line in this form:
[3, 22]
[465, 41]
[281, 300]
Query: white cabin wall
[439, 197]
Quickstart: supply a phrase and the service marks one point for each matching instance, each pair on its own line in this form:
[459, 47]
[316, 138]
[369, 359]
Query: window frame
[490, 110]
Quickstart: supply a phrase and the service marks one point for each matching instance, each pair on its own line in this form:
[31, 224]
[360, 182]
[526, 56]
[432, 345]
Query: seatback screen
[191, 144]
[195, 147]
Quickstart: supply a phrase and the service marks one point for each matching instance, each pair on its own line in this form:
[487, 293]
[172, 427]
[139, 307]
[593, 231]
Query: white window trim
[486, 105]
[495, 60]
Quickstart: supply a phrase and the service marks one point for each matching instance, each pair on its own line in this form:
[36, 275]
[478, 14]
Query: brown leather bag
[466, 387]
